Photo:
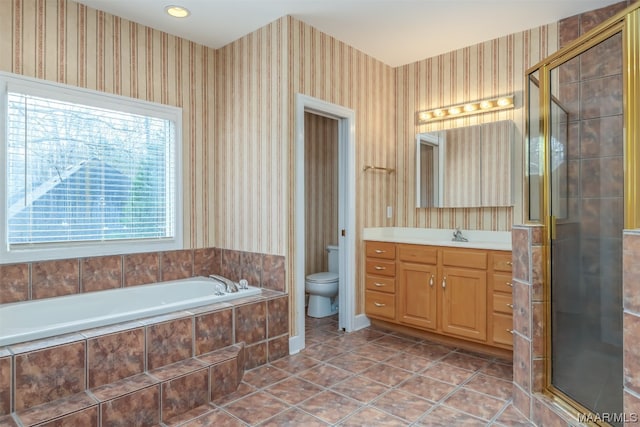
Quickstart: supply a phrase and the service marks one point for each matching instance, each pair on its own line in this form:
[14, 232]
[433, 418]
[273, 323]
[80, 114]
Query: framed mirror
[465, 167]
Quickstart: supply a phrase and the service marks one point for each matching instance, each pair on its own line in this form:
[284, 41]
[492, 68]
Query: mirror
[465, 167]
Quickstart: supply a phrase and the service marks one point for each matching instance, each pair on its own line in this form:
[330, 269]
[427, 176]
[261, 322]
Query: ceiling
[396, 32]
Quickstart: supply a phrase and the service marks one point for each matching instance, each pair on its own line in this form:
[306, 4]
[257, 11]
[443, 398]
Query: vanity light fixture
[177, 11]
[465, 109]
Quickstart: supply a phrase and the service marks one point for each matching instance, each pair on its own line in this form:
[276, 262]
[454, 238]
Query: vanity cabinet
[418, 290]
[380, 280]
[456, 292]
[501, 288]
[464, 292]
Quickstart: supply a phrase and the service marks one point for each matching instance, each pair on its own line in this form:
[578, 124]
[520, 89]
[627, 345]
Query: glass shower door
[586, 200]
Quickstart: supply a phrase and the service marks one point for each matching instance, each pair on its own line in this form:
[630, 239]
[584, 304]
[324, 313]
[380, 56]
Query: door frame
[346, 215]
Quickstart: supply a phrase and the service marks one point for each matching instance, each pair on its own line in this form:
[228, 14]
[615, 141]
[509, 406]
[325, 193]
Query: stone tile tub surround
[46, 279]
[37, 372]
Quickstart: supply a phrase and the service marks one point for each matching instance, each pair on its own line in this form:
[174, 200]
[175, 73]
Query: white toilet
[323, 288]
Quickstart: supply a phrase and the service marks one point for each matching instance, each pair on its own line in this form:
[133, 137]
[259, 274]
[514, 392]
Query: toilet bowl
[323, 288]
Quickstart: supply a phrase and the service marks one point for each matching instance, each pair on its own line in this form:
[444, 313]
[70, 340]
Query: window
[86, 173]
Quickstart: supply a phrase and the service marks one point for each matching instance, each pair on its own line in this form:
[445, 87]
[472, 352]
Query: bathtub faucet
[229, 285]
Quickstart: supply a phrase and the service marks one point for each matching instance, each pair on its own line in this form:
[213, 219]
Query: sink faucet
[458, 237]
[229, 285]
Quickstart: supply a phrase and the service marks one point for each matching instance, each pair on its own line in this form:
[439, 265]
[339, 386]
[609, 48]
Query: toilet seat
[323, 277]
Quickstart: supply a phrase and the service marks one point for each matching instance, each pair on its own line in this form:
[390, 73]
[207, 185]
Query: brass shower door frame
[626, 22]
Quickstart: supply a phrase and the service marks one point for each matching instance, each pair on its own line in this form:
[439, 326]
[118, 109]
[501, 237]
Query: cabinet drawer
[379, 304]
[502, 282]
[418, 254]
[380, 284]
[503, 303]
[464, 258]
[502, 329]
[385, 250]
[379, 267]
[502, 261]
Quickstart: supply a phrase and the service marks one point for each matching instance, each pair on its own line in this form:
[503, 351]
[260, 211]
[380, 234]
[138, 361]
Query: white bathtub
[31, 320]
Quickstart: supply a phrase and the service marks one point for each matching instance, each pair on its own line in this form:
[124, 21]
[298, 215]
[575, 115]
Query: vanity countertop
[477, 239]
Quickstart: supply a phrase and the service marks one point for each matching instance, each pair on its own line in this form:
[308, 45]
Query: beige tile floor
[370, 377]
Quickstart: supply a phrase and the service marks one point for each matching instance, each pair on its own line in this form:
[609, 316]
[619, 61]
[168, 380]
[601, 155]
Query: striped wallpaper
[69, 43]
[239, 110]
[321, 189]
[481, 71]
[257, 79]
[325, 68]
[462, 172]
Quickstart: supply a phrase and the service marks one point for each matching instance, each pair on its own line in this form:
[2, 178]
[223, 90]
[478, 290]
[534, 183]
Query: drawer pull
[431, 281]
[380, 251]
[510, 331]
[379, 304]
[510, 306]
[379, 285]
[444, 282]
[509, 284]
[377, 267]
[509, 263]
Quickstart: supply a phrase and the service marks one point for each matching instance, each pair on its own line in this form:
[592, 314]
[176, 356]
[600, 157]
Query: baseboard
[361, 321]
[296, 344]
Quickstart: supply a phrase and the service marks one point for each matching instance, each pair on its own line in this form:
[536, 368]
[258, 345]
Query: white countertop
[478, 239]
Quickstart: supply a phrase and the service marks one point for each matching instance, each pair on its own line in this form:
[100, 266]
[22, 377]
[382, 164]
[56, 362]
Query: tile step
[161, 395]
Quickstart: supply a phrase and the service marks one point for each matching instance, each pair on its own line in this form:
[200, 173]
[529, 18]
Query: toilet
[323, 288]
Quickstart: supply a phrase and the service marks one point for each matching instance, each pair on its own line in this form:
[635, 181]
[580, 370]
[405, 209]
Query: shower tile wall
[590, 90]
[589, 148]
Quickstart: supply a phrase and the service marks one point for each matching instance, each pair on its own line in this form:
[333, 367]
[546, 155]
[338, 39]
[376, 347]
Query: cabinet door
[418, 295]
[464, 302]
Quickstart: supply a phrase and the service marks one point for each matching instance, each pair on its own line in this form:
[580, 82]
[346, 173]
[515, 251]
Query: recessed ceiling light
[177, 11]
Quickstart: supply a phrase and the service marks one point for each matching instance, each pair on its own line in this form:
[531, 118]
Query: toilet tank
[334, 260]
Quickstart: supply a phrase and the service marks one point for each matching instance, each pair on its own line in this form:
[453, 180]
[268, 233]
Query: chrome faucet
[229, 285]
[458, 237]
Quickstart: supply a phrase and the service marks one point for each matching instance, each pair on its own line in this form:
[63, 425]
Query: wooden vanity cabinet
[501, 292]
[462, 293]
[418, 287]
[380, 280]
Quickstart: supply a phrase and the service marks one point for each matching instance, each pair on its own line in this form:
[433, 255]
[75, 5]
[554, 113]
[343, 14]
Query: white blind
[77, 173]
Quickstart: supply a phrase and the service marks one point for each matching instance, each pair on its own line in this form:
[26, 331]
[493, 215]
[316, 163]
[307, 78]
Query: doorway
[345, 232]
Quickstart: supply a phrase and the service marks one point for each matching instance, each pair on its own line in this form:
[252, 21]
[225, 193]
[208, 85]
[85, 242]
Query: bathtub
[32, 320]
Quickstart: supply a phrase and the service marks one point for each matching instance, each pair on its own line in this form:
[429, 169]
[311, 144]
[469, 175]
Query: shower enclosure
[582, 133]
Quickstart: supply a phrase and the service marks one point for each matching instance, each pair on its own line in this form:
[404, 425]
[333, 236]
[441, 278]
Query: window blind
[78, 173]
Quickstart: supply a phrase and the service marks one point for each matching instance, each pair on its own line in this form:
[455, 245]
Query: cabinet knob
[379, 285]
[444, 282]
[379, 304]
[380, 251]
[377, 267]
[431, 281]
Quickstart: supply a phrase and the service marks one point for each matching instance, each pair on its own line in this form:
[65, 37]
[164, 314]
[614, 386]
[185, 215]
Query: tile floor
[370, 377]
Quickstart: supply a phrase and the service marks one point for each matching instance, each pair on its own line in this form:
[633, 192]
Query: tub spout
[229, 285]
